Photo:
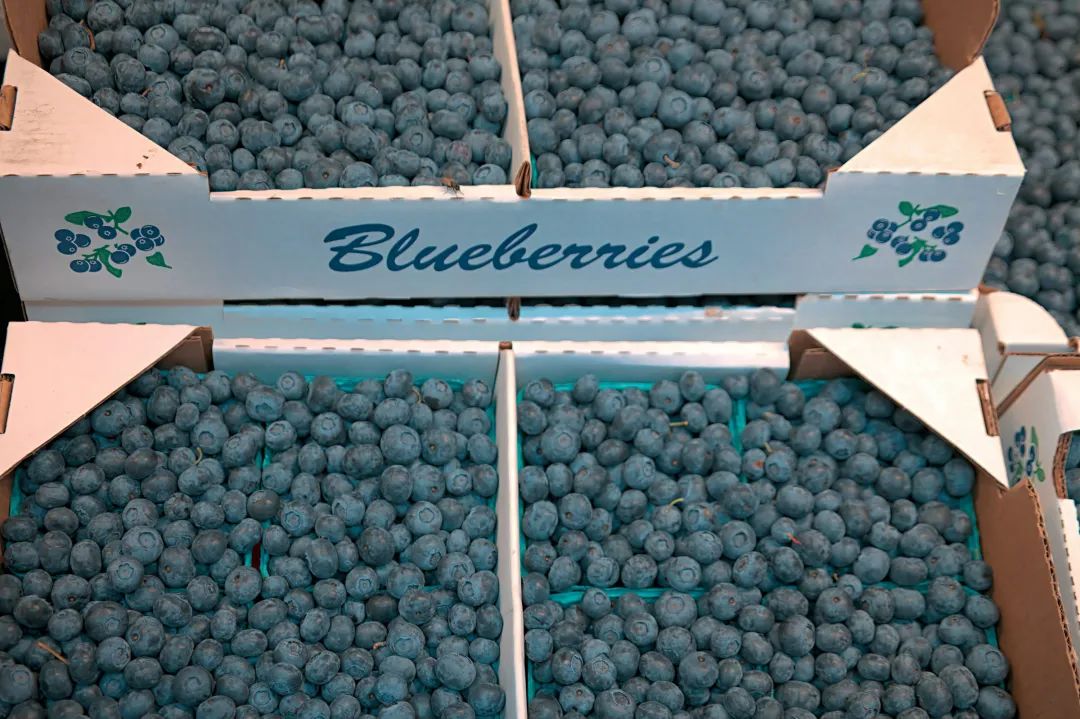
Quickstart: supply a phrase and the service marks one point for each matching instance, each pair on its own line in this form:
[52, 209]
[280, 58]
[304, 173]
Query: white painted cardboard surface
[1047, 409]
[643, 361]
[278, 245]
[356, 358]
[1016, 333]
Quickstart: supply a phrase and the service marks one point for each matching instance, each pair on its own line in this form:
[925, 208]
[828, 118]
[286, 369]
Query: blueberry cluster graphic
[903, 236]
[111, 257]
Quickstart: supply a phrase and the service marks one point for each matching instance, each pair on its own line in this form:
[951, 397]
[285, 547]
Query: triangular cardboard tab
[933, 374]
[949, 133]
[50, 127]
[64, 370]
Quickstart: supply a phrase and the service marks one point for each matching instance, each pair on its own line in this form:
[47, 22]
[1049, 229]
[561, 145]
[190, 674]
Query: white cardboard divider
[935, 374]
[880, 310]
[511, 644]
[706, 321]
[268, 358]
[643, 361]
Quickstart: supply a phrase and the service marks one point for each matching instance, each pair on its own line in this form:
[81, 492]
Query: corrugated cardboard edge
[1033, 631]
[25, 19]
[1061, 453]
[1048, 363]
[961, 28]
[999, 112]
[809, 359]
[7, 107]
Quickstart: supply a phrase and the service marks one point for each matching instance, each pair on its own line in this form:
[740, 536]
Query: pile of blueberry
[265, 94]
[812, 548]
[708, 93]
[212, 547]
[1031, 55]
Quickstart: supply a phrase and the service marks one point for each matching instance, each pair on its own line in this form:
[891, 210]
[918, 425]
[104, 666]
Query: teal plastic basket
[347, 384]
[737, 424]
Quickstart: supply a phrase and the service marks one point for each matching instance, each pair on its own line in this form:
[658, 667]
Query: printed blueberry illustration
[1022, 457]
[109, 226]
[904, 236]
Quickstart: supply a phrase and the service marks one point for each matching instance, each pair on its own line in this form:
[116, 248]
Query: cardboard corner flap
[961, 28]
[63, 370]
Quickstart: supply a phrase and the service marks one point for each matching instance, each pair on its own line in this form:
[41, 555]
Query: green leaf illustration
[1034, 436]
[78, 218]
[102, 255]
[122, 214]
[1040, 474]
[158, 260]
[916, 247]
[945, 210]
[907, 209]
[867, 251]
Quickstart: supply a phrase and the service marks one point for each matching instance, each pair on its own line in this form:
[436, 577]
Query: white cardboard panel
[1015, 332]
[358, 358]
[643, 361]
[336, 244]
[954, 309]
[203, 314]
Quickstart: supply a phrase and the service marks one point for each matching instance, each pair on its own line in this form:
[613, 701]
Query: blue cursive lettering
[363, 247]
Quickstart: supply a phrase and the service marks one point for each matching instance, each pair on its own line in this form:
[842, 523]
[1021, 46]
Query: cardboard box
[1017, 335]
[64, 156]
[37, 376]
[1037, 421]
[937, 375]
[934, 373]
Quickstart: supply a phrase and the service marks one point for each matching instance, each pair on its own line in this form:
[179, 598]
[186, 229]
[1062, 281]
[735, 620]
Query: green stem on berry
[916, 247]
[102, 255]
